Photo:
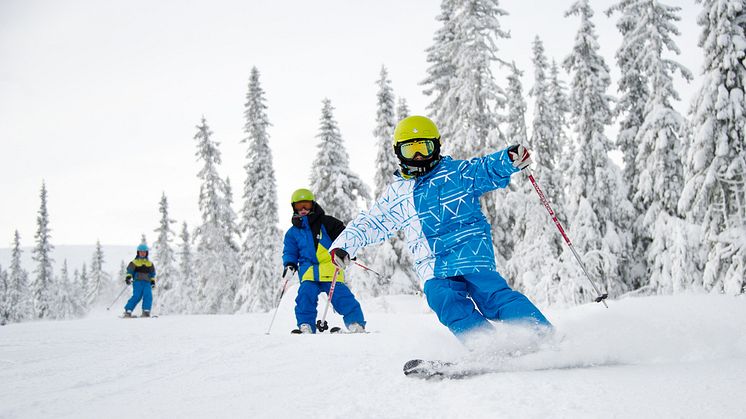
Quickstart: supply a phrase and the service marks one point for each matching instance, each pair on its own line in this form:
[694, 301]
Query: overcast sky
[100, 99]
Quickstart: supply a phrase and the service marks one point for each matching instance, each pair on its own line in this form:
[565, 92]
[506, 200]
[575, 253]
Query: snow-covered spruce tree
[714, 194]
[336, 187]
[99, 280]
[69, 297]
[185, 290]
[441, 69]
[533, 233]
[42, 284]
[260, 250]
[4, 307]
[164, 257]
[467, 108]
[633, 85]
[83, 281]
[596, 203]
[216, 268]
[658, 143]
[546, 144]
[402, 109]
[18, 301]
[392, 260]
[559, 107]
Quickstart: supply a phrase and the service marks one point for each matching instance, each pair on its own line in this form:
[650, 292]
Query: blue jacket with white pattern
[441, 216]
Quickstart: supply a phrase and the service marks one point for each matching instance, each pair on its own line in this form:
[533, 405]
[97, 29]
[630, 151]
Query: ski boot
[127, 314]
[356, 328]
[145, 313]
[304, 328]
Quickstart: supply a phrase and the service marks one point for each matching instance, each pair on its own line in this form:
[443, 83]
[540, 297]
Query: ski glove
[289, 268]
[520, 156]
[340, 258]
[128, 280]
[152, 283]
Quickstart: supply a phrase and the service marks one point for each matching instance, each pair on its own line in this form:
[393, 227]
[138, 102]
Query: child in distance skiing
[435, 200]
[306, 252]
[142, 271]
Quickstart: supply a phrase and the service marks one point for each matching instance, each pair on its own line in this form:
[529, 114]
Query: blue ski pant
[343, 302]
[464, 303]
[140, 291]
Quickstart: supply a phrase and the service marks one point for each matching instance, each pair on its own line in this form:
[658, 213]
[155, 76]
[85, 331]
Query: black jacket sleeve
[333, 226]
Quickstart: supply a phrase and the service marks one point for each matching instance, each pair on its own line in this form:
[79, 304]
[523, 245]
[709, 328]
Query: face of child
[302, 208]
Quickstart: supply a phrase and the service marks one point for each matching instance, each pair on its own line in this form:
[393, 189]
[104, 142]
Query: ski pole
[118, 295]
[277, 308]
[322, 325]
[367, 268]
[545, 202]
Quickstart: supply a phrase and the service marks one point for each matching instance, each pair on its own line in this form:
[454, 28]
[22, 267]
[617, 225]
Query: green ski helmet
[302, 195]
[417, 145]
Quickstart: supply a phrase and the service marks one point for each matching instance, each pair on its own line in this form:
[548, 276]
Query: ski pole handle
[601, 297]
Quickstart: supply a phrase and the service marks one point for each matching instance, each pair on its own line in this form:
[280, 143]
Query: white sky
[101, 99]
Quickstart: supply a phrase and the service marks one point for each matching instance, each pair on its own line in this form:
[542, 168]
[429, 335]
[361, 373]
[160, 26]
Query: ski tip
[410, 366]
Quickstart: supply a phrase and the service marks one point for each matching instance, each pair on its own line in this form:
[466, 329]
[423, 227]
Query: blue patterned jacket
[440, 214]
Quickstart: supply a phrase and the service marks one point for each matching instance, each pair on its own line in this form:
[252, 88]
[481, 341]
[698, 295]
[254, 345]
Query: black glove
[152, 283]
[340, 258]
[520, 156]
[289, 268]
[128, 280]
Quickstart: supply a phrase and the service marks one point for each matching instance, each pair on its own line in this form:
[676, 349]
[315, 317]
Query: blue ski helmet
[142, 248]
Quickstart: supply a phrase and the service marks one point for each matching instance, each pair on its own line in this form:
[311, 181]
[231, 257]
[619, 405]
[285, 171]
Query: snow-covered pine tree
[18, 301]
[546, 144]
[597, 201]
[68, 300]
[534, 235]
[336, 187]
[42, 285]
[83, 283]
[402, 109]
[714, 194]
[392, 259]
[260, 250]
[658, 145]
[163, 255]
[4, 307]
[467, 108]
[559, 107]
[442, 68]
[185, 290]
[99, 279]
[218, 260]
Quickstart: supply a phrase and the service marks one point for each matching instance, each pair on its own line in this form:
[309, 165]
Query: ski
[439, 370]
[134, 316]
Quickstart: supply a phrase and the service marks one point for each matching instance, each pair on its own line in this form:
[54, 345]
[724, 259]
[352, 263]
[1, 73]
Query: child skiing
[306, 252]
[142, 271]
[435, 200]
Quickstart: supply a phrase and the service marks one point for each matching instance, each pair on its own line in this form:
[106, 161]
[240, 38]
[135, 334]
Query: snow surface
[681, 356]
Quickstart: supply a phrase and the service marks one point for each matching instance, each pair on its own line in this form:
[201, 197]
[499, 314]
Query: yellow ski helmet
[416, 145]
[302, 195]
[415, 126]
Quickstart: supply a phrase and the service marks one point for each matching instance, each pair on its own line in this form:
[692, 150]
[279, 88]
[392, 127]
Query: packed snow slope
[652, 357]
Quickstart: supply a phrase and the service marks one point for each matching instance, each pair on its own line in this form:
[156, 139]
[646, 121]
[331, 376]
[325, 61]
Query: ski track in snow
[682, 356]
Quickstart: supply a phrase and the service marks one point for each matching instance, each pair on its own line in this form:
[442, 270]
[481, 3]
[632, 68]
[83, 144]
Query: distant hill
[76, 255]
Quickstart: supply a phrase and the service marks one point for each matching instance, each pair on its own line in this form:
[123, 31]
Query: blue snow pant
[495, 300]
[140, 291]
[343, 302]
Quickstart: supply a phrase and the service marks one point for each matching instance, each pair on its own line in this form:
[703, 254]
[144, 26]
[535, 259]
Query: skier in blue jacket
[141, 274]
[306, 251]
[435, 200]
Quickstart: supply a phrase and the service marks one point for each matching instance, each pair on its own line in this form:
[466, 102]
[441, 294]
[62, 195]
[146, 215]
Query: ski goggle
[302, 205]
[423, 146]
